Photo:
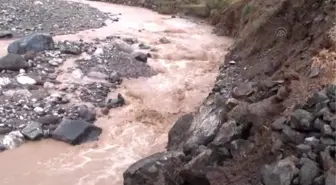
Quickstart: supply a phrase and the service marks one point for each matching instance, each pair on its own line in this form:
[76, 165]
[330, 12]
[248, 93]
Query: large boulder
[178, 132]
[76, 131]
[35, 42]
[123, 46]
[13, 62]
[157, 169]
[205, 125]
[279, 173]
[229, 131]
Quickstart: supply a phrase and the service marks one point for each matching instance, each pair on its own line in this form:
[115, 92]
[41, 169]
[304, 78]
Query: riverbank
[185, 57]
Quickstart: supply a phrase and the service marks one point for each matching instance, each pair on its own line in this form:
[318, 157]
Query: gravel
[22, 17]
[31, 94]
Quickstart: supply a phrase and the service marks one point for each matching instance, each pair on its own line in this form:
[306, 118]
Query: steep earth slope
[277, 62]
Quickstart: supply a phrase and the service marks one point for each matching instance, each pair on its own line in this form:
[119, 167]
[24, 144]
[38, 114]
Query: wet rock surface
[76, 131]
[34, 104]
[28, 16]
[32, 43]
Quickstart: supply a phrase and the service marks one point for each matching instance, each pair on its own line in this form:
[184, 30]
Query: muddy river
[187, 68]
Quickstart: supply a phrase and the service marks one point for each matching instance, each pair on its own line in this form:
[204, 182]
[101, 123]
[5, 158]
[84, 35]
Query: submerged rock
[76, 131]
[35, 42]
[115, 102]
[123, 46]
[140, 56]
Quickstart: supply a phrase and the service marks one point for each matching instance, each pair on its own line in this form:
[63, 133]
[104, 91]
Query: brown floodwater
[187, 68]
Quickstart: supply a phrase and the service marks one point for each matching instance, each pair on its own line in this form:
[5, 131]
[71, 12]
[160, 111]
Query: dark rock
[231, 103]
[332, 106]
[164, 40]
[279, 173]
[290, 135]
[116, 102]
[312, 141]
[72, 50]
[143, 46]
[331, 91]
[240, 147]
[319, 180]
[242, 90]
[35, 42]
[86, 113]
[308, 171]
[326, 130]
[159, 168]
[259, 112]
[6, 34]
[30, 55]
[205, 125]
[326, 160]
[333, 123]
[301, 119]
[325, 114]
[201, 159]
[327, 140]
[194, 177]
[33, 131]
[303, 148]
[229, 131]
[319, 97]
[140, 56]
[320, 106]
[178, 132]
[296, 181]
[2, 147]
[278, 144]
[76, 131]
[114, 77]
[330, 179]
[282, 93]
[5, 130]
[13, 62]
[49, 120]
[318, 124]
[279, 124]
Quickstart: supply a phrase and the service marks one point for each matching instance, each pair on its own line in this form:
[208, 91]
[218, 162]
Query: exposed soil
[286, 42]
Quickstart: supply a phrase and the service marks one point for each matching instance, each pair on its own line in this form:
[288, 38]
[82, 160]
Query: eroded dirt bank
[278, 128]
[186, 58]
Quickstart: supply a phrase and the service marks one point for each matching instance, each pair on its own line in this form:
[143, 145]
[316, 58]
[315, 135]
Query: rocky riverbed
[18, 18]
[36, 104]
